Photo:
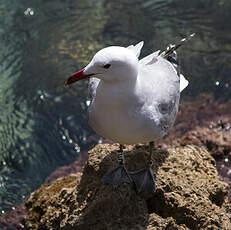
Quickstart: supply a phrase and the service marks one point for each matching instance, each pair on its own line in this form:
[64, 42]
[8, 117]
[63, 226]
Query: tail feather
[171, 55]
[183, 82]
[170, 50]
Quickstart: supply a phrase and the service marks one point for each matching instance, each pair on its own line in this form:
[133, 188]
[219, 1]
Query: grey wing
[163, 90]
[168, 111]
[92, 86]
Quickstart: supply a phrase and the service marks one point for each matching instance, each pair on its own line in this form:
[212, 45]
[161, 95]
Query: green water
[43, 125]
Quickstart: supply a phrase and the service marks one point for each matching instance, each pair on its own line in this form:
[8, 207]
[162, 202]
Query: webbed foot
[144, 182]
[117, 176]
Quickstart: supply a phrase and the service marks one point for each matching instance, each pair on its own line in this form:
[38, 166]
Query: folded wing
[136, 49]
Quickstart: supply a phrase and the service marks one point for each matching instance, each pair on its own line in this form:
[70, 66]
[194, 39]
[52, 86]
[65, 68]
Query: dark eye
[107, 66]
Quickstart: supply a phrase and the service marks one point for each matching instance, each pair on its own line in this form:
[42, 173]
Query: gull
[133, 101]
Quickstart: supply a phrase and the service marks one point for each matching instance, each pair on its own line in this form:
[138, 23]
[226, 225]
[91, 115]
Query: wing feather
[137, 48]
[150, 59]
[92, 86]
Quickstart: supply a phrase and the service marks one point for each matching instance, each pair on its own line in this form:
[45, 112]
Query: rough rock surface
[189, 194]
[216, 138]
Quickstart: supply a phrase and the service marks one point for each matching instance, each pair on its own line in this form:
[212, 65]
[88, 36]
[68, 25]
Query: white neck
[117, 92]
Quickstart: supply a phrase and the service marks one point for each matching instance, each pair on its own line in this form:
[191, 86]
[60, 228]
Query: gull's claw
[144, 182]
[117, 176]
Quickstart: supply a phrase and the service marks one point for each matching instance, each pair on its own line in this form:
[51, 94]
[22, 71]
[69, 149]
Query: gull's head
[110, 64]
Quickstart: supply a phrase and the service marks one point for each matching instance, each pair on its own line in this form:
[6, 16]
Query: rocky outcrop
[189, 194]
[205, 123]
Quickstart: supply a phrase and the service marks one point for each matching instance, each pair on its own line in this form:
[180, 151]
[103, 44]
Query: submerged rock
[14, 219]
[189, 194]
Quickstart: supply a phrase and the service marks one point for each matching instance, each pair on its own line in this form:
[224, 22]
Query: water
[43, 124]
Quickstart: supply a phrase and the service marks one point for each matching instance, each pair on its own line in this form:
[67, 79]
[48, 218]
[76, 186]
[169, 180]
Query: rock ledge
[189, 194]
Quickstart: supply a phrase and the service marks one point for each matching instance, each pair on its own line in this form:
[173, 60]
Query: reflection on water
[43, 124]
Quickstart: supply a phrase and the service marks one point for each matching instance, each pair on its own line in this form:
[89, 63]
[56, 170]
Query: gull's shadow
[104, 205]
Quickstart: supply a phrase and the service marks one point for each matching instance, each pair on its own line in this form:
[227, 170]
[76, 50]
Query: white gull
[133, 101]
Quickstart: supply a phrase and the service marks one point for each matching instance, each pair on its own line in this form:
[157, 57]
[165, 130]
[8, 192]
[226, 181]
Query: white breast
[140, 113]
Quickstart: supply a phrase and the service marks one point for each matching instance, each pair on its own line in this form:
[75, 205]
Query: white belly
[122, 124]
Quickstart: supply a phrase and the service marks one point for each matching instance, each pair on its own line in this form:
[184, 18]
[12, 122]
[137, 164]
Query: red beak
[77, 76]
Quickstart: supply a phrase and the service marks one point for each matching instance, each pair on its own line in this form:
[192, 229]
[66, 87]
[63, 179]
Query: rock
[216, 137]
[66, 170]
[157, 222]
[197, 113]
[206, 123]
[14, 219]
[189, 194]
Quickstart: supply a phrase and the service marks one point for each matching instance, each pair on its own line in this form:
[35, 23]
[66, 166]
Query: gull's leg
[118, 175]
[144, 179]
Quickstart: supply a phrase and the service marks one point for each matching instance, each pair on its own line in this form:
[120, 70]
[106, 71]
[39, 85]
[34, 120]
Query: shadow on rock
[105, 205]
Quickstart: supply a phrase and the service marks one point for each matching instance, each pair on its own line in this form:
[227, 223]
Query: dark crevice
[181, 215]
